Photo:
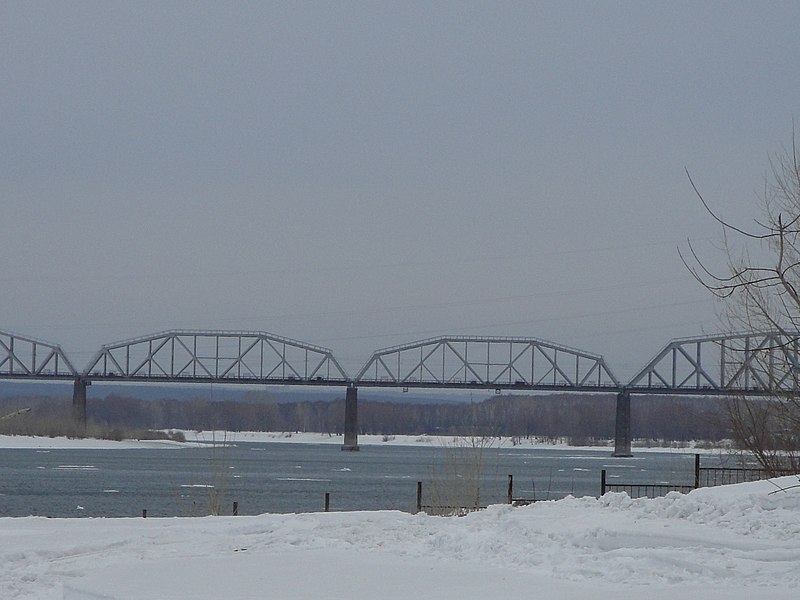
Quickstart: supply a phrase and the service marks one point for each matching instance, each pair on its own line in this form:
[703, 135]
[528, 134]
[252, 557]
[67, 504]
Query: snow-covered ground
[193, 438]
[409, 440]
[731, 543]
[48, 443]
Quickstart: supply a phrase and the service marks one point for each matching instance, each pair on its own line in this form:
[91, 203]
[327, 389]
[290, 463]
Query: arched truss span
[216, 356]
[756, 363]
[499, 362]
[22, 357]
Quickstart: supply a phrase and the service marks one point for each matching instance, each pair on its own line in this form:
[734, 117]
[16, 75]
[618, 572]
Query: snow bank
[409, 440]
[205, 437]
[36, 442]
[736, 542]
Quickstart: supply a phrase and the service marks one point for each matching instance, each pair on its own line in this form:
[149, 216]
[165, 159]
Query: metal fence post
[696, 471]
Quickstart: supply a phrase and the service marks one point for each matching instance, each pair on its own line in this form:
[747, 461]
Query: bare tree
[760, 291]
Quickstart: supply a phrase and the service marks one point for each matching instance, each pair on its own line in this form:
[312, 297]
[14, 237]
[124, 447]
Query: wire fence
[703, 477]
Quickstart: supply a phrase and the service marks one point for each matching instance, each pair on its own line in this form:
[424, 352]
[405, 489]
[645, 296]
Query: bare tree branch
[716, 218]
[763, 294]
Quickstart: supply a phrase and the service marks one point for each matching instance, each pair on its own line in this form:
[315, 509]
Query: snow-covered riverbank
[48, 443]
[193, 438]
[734, 543]
[415, 440]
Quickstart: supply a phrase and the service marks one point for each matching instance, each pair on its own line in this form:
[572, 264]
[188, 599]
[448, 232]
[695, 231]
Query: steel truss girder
[216, 356]
[26, 357]
[491, 362]
[753, 363]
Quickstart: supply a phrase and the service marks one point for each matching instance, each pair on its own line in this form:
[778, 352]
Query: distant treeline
[576, 417]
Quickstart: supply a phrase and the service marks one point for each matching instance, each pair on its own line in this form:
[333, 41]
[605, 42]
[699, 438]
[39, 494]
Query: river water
[288, 477]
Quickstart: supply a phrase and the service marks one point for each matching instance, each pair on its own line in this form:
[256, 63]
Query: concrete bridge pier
[622, 428]
[351, 419]
[79, 400]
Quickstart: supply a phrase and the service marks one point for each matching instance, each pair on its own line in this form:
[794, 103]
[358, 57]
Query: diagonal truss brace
[229, 356]
[22, 356]
[755, 362]
[464, 361]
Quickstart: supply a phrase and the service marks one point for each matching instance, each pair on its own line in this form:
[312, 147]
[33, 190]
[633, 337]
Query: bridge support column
[622, 429]
[351, 419]
[79, 400]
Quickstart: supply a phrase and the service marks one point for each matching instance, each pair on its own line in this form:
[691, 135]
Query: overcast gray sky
[359, 175]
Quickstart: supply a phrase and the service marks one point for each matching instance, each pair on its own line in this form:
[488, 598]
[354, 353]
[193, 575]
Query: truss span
[216, 356]
[753, 363]
[487, 362]
[25, 357]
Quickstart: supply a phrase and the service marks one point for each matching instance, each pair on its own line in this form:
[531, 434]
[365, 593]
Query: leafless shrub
[455, 483]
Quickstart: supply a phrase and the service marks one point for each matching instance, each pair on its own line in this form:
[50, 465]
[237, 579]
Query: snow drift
[732, 542]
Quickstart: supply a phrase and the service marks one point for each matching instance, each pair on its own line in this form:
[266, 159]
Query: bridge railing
[216, 356]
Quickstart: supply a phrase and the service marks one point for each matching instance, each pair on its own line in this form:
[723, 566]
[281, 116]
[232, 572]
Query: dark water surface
[288, 477]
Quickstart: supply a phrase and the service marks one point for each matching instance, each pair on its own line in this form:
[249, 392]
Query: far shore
[196, 439]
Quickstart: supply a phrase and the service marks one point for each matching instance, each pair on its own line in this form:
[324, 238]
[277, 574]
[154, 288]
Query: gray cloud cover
[359, 175]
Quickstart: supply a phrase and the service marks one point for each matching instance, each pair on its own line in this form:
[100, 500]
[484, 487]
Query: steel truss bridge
[751, 364]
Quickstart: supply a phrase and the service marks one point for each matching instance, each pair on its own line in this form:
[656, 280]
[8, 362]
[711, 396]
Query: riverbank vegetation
[54, 419]
[576, 419]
